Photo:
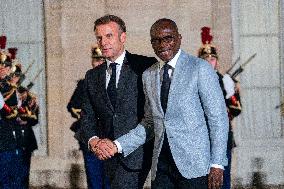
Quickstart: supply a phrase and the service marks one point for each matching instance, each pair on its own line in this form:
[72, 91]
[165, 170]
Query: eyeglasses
[166, 39]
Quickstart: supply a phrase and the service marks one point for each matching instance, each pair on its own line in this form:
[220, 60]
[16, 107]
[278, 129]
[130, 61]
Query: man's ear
[123, 37]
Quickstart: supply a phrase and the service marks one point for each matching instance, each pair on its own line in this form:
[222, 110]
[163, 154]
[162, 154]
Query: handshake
[103, 148]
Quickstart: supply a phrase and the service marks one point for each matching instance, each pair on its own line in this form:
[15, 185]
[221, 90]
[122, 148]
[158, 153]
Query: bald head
[165, 39]
[164, 23]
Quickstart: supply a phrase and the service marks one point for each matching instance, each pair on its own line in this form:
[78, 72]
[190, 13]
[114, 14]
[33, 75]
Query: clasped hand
[103, 148]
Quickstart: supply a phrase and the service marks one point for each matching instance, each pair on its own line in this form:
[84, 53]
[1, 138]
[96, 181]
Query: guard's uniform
[28, 114]
[12, 166]
[17, 140]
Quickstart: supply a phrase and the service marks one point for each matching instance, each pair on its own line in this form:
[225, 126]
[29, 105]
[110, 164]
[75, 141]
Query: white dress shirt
[119, 62]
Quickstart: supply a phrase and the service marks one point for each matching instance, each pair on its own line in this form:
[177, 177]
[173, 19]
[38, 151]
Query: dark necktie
[165, 87]
[111, 88]
[165, 151]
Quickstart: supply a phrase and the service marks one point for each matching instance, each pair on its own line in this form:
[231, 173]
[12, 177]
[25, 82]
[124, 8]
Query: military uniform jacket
[12, 134]
[8, 127]
[75, 105]
[233, 111]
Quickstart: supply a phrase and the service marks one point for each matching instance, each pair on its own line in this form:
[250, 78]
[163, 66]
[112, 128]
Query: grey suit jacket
[196, 120]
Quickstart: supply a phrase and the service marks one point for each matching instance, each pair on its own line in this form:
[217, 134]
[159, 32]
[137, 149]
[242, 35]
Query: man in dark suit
[114, 103]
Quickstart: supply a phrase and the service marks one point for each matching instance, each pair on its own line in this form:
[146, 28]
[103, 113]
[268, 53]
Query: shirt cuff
[119, 148]
[90, 140]
[217, 166]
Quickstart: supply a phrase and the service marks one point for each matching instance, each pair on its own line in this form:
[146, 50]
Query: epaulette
[76, 112]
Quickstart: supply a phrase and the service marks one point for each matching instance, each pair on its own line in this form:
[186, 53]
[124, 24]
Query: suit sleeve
[88, 121]
[214, 106]
[142, 133]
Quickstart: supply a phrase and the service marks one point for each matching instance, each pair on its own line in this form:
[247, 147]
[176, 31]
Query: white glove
[229, 86]
[1, 101]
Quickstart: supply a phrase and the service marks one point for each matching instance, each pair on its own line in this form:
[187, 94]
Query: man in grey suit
[114, 103]
[186, 114]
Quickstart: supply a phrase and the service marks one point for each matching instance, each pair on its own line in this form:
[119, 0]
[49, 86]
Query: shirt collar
[119, 59]
[173, 61]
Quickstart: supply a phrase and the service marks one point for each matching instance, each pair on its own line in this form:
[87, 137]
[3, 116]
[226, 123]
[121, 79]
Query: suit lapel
[177, 78]
[125, 76]
[156, 85]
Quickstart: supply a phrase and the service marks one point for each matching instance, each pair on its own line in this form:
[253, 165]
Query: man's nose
[163, 43]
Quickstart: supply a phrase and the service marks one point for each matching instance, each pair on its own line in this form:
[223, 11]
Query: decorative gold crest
[3, 57]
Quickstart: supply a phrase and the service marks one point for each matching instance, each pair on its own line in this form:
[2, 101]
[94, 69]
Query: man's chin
[165, 58]
[106, 53]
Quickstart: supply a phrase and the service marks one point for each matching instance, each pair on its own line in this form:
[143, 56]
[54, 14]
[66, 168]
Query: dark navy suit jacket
[100, 119]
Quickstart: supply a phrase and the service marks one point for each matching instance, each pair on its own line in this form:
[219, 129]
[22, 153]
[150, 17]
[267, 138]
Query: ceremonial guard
[28, 112]
[93, 166]
[230, 88]
[18, 115]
